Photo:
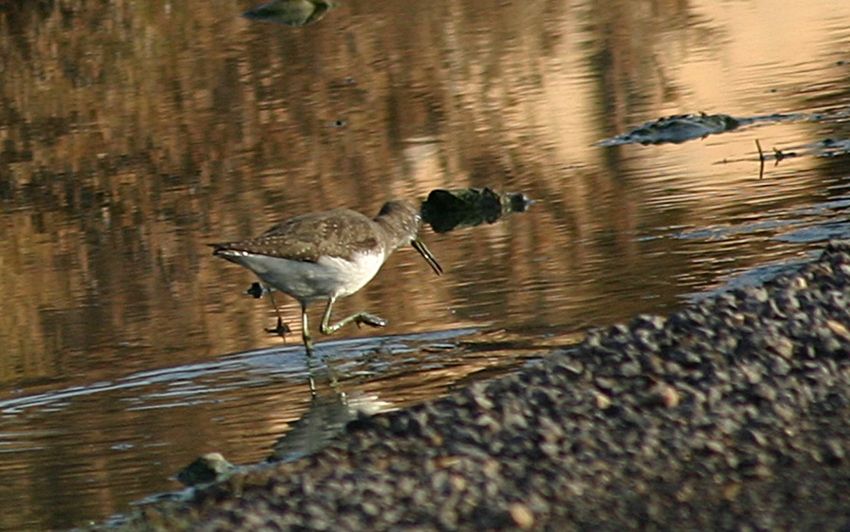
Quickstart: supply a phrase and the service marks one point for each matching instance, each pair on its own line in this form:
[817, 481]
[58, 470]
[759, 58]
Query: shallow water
[132, 134]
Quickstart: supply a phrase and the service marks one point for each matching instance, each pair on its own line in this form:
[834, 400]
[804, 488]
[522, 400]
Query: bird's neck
[398, 230]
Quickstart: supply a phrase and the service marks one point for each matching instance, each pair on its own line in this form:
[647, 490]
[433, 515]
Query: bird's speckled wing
[336, 233]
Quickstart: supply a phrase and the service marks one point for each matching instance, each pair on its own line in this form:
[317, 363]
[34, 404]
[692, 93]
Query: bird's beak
[419, 246]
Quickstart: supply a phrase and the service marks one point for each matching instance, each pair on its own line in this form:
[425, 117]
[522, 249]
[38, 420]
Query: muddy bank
[732, 413]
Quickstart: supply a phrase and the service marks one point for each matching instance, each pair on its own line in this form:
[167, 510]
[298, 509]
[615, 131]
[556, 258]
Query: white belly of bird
[329, 276]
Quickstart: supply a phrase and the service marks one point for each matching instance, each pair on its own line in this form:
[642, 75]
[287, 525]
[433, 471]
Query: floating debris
[675, 129]
[682, 128]
[445, 210]
[291, 12]
[830, 148]
[827, 148]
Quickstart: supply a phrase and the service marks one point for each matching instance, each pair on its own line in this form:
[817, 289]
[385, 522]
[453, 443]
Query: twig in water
[761, 159]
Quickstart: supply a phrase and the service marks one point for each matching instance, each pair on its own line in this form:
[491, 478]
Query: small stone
[783, 412]
[573, 366]
[766, 392]
[371, 509]
[665, 394]
[752, 373]
[761, 294]
[780, 366]
[838, 329]
[727, 426]
[758, 437]
[731, 491]
[630, 369]
[602, 401]
[691, 359]
[522, 515]
[783, 347]
[606, 383]
[762, 471]
[714, 446]
[834, 450]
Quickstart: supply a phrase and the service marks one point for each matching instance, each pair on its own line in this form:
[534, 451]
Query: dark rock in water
[291, 12]
[675, 129]
[705, 418]
[446, 210]
[206, 469]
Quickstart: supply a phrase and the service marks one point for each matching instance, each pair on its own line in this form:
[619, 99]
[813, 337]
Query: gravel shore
[731, 414]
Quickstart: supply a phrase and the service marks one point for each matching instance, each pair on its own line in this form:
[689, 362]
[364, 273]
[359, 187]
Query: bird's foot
[256, 290]
[280, 330]
[364, 318]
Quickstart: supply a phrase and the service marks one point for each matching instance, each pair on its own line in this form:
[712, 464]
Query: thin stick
[761, 159]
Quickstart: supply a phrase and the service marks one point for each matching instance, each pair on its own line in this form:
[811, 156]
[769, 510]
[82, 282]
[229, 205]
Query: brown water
[132, 133]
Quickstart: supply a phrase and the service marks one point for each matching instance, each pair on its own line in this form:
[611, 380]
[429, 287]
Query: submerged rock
[682, 128]
[675, 129]
[446, 210]
[291, 12]
[211, 467]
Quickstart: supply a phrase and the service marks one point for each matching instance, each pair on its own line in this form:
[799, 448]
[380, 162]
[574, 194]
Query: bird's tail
[225, 250]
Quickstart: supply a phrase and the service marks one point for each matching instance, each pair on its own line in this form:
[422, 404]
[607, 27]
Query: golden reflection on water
[131, 134]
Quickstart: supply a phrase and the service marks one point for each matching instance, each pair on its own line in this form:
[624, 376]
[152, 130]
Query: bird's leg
[360, 318]
[281, 329]
[305, 331]
[311, 382]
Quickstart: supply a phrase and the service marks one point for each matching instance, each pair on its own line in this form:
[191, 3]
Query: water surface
[133, 133]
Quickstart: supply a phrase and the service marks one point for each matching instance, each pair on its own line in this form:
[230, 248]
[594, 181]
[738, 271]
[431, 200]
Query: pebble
[522, 516]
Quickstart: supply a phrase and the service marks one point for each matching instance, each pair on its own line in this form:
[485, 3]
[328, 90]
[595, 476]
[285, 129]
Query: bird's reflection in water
[330, 410]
